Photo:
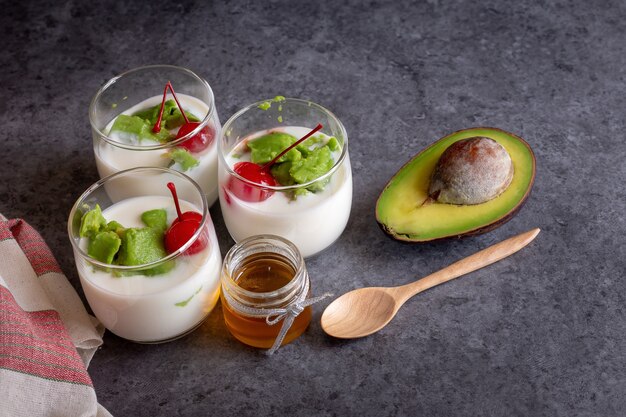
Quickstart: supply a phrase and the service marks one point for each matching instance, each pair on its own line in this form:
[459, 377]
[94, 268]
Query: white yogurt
[111, 158]
[312, 221]
[160, 307]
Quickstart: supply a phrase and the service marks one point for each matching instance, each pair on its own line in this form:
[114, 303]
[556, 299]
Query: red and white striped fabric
[46, 337]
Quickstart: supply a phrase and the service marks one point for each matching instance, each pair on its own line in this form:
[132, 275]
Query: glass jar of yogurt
[139, 290]
[309, 203]
[123, 114]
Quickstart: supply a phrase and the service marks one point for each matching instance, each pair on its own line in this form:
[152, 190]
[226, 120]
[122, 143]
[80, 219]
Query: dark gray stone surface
[542, 333]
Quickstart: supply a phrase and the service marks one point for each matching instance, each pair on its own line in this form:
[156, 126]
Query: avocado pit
[471, 171]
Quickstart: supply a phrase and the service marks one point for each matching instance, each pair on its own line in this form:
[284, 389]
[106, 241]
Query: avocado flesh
[401, 211]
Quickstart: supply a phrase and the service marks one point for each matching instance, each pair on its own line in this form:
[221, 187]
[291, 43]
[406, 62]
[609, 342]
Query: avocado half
[402, 214]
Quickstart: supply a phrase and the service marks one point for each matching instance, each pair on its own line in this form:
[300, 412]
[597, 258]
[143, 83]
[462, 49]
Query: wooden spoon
[364, 311]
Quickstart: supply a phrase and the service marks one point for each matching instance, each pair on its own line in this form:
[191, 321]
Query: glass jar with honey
[265, 290]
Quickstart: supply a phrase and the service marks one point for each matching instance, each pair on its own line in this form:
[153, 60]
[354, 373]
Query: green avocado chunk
[319, 162]
[139, 127]
[280, 172]
[176, 119]
[104, 246]
[333, 143]
[172, 116]
[311, 143]
[265, 148]
[156, 219]
[113, 244]
[92, 222]
[114, 226]
[183, 158]
[141, 246]
[309, 160]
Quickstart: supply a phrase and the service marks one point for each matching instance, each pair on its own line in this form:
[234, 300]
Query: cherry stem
[299, 141]
[172, 188]
[157, 125]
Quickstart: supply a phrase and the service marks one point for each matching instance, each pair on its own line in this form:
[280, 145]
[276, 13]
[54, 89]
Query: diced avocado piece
[319, 162]
[151, 114]
[182, 157]
[318, 186]
[130, 124]
[92, 222]
[138, 127]
[308, 145]
[299, 192]
[265, 105]
[162, 136]
[333, 143]
[141, 246]
[160, 269]
[176, 119]
[103, 246]
[265, 148]
[280, 172]
[156, 219]
[114, 226]
[150, 272]
[171, 118]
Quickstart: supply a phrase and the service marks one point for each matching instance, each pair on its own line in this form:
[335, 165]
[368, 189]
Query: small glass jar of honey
[265, 286]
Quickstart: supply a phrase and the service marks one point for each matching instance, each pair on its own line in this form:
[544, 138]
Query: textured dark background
[542, 333]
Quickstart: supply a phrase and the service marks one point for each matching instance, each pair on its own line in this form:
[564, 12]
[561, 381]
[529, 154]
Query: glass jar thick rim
[100, 183]
[290, 286]
[176, 142]
[335, 167]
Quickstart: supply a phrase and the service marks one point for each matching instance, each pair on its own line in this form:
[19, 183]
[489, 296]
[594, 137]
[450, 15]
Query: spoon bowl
[342, 318]
[364, 311]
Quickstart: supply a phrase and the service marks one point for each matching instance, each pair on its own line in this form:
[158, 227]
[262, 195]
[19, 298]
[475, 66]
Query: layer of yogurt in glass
[312, 221]
[159, 307]
[111, 158]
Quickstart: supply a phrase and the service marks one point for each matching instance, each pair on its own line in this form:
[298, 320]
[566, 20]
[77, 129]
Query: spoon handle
[473, 262]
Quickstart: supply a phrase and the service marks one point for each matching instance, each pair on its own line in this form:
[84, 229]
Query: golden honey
[256, 284]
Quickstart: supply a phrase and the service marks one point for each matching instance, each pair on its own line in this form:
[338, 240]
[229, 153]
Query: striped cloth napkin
[47, 339]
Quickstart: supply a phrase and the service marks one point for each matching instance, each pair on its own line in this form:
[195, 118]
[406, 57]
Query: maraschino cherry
[183, 228]
[260, 175]
[197, 143]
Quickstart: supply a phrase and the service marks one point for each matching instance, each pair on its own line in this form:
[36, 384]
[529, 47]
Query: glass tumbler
[131, 93]
[312, 214]
[160, 300]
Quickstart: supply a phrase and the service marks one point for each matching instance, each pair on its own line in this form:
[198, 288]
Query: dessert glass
[312, 222]
[145, 84]
[141, 308]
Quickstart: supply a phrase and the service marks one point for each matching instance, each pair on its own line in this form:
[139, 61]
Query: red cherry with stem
[255, 173]
[198, 142]
[260, 175]
[183, 228]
